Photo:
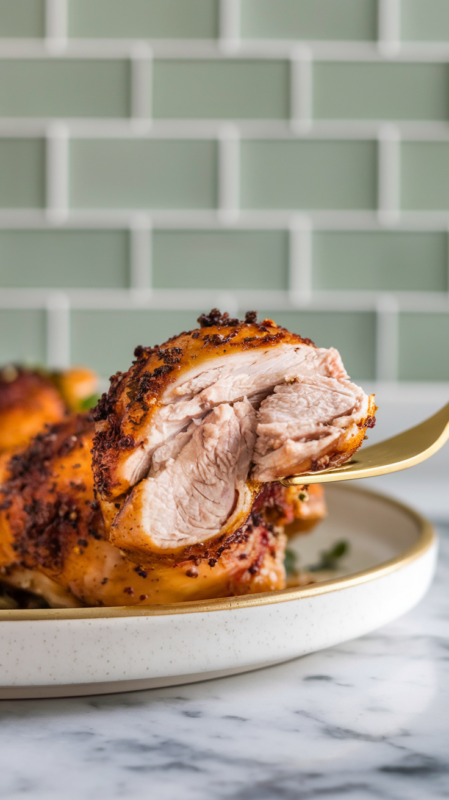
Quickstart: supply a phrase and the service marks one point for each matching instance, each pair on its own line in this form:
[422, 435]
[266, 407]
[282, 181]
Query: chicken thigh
[187, 437]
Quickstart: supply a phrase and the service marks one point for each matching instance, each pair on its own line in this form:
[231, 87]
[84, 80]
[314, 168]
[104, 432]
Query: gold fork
[400, 452]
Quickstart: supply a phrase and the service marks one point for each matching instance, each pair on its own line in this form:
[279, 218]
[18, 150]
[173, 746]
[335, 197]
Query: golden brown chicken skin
[186, 439]
[53, 540]
[29, 399]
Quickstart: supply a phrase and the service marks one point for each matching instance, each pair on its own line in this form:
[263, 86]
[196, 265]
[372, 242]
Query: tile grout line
[301, 90]
[227, 301]
[228, 174]
[58, 345]
[307, 128]
[387, 46]
[389, 177]
[209, 219]
[343, 301]
[300, 260]
[56, 25]
[229, 27]
[389, 28]
[140, 256]
[57, 172]
[141, 58]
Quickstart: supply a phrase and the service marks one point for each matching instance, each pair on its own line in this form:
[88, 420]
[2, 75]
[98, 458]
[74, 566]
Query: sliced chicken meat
[197, 482]
[186, 438]
[301, 425]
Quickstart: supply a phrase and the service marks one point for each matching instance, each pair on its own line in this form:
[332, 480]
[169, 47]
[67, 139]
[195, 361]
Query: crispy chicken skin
[187, 437]
[29, 399]
[53, 539]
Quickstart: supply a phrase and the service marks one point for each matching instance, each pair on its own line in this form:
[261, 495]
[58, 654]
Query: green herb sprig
[290, 562]
[89, 402]
[330, 558]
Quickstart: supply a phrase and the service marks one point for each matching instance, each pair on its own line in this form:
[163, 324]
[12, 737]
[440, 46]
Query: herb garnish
[330, 558]
[290, 565]
[89, 402]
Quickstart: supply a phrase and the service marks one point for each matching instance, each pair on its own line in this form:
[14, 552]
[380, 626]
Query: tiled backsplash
[160, 157]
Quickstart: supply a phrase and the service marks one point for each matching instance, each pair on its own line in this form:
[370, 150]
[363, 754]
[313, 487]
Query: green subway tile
[425, 20]
[425, 175]
[380, 260]
[309, 174]
[245, 89]
[22, 18]
[22, 336]
[64, 258]
[153, 19]
[220, 259]
[64, 88]
[423, 350]
[309, 19]
[355, 90]
[105, 340]
[22, 173]
[143, 173]
[353, 333]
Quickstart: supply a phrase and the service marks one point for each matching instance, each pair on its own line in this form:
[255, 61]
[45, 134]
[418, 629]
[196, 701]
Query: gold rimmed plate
[387, 566]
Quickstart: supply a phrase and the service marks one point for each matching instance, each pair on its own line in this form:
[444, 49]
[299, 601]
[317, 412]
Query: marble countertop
[367, 719]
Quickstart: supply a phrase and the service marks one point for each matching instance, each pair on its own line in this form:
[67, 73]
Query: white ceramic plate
[51, 653]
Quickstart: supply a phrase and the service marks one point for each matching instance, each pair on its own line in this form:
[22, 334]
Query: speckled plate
[388, 569]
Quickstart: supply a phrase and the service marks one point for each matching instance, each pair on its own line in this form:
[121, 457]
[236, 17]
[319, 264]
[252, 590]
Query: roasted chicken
[53, 539]
[30, 398]
[187, 449]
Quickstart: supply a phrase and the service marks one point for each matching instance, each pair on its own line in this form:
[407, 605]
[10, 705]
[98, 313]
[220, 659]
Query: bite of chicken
[188, 436]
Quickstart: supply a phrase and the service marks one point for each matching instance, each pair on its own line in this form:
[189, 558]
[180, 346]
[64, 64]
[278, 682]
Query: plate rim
[426, 540]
